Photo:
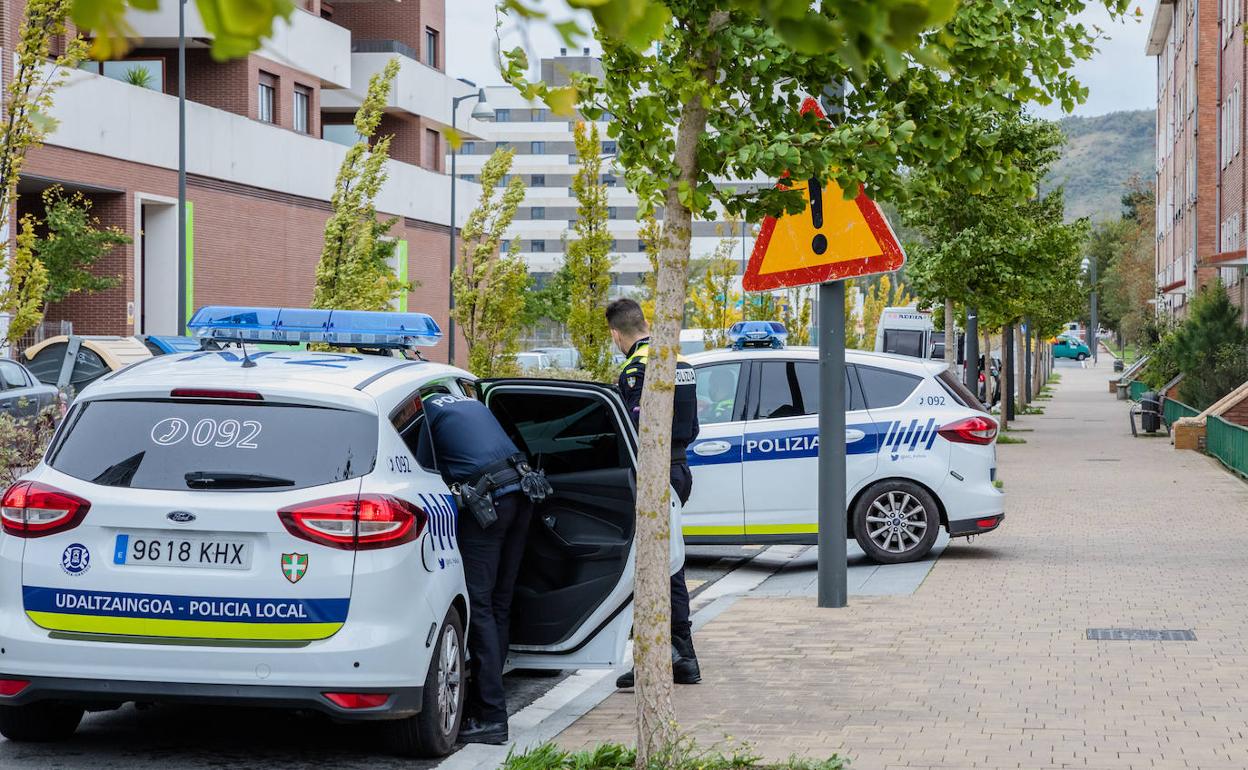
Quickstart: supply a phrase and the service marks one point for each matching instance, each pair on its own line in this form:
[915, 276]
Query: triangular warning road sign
[830, 240]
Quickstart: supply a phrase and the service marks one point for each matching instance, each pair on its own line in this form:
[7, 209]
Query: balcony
[306, 42]
[141, 125]
[418, 89]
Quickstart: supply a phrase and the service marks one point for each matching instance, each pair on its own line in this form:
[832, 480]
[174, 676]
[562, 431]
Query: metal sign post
[833, 578]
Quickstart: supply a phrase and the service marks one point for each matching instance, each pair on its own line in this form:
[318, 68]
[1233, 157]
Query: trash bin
[1118, 367]
[1150, 412]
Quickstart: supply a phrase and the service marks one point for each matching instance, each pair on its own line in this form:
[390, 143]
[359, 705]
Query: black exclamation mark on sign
[819, 243]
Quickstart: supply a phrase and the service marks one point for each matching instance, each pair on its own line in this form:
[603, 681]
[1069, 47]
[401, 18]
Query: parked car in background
[21, 395]
[1069, 347]
[532, 362]
[562, 358]
[757, 334]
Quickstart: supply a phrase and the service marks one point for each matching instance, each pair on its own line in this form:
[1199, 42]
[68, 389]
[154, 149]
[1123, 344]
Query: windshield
[905, 342]
[198, 445]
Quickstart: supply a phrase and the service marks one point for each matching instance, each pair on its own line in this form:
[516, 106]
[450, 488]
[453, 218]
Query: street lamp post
[182, 276]
[482, 111]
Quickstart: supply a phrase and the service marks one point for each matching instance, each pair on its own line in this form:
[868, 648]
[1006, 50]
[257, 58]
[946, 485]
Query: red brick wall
[404, 22]
[251, 246]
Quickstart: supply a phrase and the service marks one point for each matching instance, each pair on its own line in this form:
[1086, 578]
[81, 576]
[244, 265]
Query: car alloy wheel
[896, 522]
[450, 679]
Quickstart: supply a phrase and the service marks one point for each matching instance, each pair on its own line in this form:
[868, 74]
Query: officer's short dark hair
[625, 316]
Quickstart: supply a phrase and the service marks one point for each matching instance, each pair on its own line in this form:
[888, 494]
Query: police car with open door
[920, 452]
[245, 526]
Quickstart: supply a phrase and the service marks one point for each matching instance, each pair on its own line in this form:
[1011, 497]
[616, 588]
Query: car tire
[1081, 356]
[896, 521]
[433, 732]
[40, 722]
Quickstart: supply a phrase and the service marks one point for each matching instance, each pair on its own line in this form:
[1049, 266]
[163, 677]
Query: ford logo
[180, 517]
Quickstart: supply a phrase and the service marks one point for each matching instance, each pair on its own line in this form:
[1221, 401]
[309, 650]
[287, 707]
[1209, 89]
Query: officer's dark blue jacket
[466, 436]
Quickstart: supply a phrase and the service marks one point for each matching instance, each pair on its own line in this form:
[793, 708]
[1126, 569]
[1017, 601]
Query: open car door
[573, 605]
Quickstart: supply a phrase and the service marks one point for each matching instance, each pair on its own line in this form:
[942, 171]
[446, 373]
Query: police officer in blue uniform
[631, 335]
[495, 488]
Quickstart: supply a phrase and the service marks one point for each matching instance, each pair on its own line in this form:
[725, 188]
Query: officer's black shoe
[685, 669]
[477, 731]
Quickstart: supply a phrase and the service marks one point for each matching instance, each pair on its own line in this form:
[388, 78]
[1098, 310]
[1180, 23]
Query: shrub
[1209, 348]
[614, 756]
[22, 442]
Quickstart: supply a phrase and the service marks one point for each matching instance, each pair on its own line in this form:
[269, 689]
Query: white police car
[238, 526]
[920, 452]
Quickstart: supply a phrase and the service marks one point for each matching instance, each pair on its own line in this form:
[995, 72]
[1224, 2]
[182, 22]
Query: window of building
[467, 148]
[431, 47]
[302, 108]
[537, 246]
[608, 148]
[541, 115]
[502, 145]
[144, 73]
[468, 177]
[504, 247]
[608, 180]
[502, 116]
[266, 103]
[537, 148]
[537, 180]
[612, 213]
[431, 150]
[340, 133]
[537, 212]
[573, 159]
[717, 392]
[613, 244]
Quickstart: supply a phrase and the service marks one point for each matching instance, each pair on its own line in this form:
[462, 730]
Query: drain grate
[1141, 635]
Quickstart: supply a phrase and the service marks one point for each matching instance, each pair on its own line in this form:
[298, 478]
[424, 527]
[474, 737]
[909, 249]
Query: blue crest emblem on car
[180, 517]
[75, 559]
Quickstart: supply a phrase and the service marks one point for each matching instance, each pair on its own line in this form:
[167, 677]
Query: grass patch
[1019, 430]
[1029, 409]
[1054, 378]
[615, 756]
[1004, 439]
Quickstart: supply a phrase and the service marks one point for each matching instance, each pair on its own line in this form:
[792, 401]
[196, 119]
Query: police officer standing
[494, 489]
[631, 335]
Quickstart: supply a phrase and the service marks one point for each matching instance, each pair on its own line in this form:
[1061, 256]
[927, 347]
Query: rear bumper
[403, 701]
[976, 526]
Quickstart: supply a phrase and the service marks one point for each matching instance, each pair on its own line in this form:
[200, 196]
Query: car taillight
[357, 700]
[11, 687]
[355, 523]
[31, 509]
[972, 430]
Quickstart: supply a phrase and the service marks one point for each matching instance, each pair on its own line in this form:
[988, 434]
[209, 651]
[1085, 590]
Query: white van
[905, 331]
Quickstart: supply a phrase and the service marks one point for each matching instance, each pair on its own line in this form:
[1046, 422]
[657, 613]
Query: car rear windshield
[214, 446]
[950, 382]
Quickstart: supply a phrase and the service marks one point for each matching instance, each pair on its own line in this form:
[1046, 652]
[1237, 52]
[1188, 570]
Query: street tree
[588, 259]
[73, 243]
[713, 297]
[354, 272]
[761, 306]
[27, 283]
[882, 293]
[717, 94]
[797, 311]
[489, 284]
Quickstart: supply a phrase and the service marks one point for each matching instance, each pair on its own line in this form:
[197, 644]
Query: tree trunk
[656, 715]
[951, 337]
[1037, 368]
[1020, 368]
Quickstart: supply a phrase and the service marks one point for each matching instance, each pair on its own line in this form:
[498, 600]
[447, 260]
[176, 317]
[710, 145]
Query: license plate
[204, 552]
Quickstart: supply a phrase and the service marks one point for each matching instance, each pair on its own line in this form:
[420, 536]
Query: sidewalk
[988, 663]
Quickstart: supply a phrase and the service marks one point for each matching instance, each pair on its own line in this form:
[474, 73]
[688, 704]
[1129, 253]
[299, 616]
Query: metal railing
[1136, 390]
[1229, 443]
[1173, 411]
[38, 334]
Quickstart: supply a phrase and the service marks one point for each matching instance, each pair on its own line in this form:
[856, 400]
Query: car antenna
[247, 362]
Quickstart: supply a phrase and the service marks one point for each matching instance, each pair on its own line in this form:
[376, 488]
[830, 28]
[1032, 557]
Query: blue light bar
[360, 328]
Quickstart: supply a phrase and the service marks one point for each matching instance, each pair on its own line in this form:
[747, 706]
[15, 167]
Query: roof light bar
[356, 328]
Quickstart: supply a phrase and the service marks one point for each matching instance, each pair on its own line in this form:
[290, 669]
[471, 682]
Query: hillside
[1101, 153]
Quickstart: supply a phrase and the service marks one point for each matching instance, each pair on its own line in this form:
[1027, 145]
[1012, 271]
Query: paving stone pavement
[987, 664]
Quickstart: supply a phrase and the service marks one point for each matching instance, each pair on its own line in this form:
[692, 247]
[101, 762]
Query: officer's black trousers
[682, 482]
[491, 561]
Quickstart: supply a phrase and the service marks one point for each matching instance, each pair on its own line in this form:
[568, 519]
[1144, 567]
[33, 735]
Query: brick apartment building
[1202, 160]
[265, 138]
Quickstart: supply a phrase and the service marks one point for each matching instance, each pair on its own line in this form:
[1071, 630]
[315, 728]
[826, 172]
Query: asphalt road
[242, 739]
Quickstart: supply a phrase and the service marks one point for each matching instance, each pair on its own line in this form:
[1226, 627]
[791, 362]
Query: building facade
[1201, 160]
[265, 137]
[545, 159]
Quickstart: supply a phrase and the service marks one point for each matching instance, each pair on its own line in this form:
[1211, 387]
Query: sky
[1119, 76]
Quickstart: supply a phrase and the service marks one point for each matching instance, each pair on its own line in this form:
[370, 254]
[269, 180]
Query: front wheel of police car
[432, 732]
[896, 521]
